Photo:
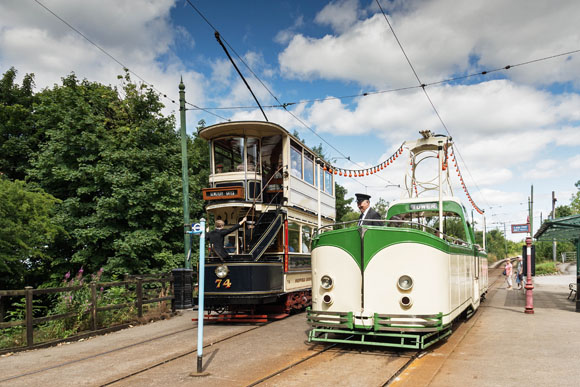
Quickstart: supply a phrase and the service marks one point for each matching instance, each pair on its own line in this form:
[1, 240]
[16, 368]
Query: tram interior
[453, 225]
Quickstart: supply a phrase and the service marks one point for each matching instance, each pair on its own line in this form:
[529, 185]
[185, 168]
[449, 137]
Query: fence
[568, 256]
[142, 297]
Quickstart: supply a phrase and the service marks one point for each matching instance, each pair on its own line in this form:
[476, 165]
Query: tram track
[127, 347]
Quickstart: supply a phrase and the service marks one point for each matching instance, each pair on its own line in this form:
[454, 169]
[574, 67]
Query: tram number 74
[225, 283]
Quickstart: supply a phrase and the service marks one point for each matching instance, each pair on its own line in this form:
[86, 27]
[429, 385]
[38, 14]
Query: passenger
[519, 272]
[219, 168]
[216, 237]
[368, 216]
[508, 274]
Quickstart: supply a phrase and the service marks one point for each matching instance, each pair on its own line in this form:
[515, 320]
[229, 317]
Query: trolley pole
[529, 286]
[184, 174]
[199, 228]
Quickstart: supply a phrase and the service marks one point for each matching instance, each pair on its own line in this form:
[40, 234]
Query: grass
[546, 267]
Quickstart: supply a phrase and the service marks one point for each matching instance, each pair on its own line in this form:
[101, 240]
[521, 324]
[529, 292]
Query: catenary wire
[423, 87]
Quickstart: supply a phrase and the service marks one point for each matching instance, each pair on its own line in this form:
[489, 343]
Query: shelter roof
[560, 229]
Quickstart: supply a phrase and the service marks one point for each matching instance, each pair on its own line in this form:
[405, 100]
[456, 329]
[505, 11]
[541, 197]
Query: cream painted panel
[346, 274]
[297, 281]
[429, 269]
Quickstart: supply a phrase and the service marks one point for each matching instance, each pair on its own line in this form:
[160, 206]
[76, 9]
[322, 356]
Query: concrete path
[503, 346]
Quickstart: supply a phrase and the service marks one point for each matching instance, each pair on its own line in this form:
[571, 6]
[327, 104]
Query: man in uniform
[368, 216]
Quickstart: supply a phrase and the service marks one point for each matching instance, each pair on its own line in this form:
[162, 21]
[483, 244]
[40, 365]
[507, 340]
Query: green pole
[185, 175]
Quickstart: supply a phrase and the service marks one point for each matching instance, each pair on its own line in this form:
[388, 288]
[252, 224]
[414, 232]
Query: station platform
[502, 346]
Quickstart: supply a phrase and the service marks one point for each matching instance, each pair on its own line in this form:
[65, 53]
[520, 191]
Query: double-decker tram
[401, 284]
[261, 171]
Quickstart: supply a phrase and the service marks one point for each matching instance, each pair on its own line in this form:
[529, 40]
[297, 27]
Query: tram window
[306, 239]
[296, 162]
[293, 237]
[327, 182]
[453, 226]
[253, 152]
[228, 154]
[308, 168]
[321, 178]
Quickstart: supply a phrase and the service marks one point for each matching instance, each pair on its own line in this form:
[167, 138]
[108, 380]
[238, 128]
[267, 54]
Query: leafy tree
[27, 229]
[115, 164]
[381, 206]
[19, 138]
[562, 211]
[342, 203]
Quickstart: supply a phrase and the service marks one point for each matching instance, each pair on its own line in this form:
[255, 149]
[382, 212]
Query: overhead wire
[422, 85]
[284, 106]
[124, 66]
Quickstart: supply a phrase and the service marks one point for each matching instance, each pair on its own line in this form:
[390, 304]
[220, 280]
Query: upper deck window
[296, 162]
[308, 168]
[253, 152]
[228, 154]
[328, 182]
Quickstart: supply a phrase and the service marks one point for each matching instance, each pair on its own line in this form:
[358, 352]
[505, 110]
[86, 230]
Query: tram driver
[216, 237]
[368, 216]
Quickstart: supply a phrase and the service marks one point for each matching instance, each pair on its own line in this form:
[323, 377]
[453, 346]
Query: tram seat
[573, 289]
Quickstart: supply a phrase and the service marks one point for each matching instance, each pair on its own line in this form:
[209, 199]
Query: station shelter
[560, 230]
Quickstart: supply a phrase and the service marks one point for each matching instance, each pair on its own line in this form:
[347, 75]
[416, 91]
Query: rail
[393, 222]
[141, 298]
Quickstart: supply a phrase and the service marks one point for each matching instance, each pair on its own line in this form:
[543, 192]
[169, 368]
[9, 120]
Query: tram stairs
[264, 233]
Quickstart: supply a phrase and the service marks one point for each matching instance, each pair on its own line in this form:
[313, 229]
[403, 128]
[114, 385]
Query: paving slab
[506, 347]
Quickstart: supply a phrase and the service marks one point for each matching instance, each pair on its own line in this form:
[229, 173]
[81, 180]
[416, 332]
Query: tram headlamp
[221, 271]
[328, 299]
[405, 282]
[406, 301]
[326, 282]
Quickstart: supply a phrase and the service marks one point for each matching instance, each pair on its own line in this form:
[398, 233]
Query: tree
[342, 203]
[27, 229]
[19, 137]
[115, 164]
[562, 211]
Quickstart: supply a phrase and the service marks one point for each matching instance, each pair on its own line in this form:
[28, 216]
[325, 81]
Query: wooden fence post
[29, 317]
[139, 297]
[94, 306]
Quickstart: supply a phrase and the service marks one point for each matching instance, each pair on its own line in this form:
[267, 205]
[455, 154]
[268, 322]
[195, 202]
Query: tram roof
[242, 128]
[560, 229]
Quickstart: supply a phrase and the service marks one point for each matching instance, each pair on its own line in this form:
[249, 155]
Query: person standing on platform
[508, 274]
[519, 272]
[216, 237]
[368, 216]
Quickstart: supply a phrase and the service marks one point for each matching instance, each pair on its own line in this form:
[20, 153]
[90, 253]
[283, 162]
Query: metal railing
[395, 223]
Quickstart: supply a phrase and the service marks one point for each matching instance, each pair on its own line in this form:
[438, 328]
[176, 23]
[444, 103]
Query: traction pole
[199, 228]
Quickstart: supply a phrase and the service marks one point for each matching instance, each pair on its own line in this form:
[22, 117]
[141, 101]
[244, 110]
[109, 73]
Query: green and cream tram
[404, 283]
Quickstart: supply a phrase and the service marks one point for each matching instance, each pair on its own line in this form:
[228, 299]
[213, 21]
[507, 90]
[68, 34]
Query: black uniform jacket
[216, 238]
[372, 214]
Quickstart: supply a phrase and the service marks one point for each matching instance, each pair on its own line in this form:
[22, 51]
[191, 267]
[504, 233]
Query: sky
[511, 128]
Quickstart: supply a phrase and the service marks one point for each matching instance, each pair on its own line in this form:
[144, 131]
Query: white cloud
[136, 33]
[441, 38]
[340, 15]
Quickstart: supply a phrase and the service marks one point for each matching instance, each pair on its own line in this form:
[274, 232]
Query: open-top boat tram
[262, 172]
[401, 284]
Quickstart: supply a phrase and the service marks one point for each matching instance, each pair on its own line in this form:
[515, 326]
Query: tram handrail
[407, 222]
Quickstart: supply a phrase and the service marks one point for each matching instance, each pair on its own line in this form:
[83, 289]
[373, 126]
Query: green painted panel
[347, 239]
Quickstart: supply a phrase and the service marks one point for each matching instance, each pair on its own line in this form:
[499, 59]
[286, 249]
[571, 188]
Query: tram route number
[221, 282]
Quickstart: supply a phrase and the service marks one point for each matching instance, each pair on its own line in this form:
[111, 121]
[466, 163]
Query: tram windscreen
[228, 154]
[253, 152]
[453, 225]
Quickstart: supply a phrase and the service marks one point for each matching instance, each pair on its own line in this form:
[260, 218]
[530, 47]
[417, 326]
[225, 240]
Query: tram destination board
[223, 193]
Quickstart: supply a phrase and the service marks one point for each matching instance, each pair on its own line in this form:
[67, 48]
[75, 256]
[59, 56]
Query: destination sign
[423, 206]
[223, 193]
[520, 228]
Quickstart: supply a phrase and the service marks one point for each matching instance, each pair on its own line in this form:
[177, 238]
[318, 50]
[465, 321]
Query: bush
[546, 267]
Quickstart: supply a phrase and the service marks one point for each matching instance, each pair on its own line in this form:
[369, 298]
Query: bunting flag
[471, 201]
[362, 172]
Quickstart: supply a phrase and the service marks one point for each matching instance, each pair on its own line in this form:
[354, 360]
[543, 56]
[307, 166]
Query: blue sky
[512, 128]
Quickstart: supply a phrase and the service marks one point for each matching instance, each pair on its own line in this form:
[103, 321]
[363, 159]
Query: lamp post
[529, 286]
